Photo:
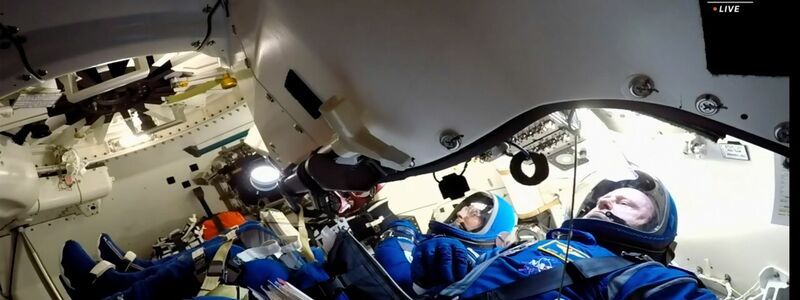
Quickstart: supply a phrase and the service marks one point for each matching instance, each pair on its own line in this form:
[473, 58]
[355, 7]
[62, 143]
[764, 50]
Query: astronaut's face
[628, 204]
[469, 218]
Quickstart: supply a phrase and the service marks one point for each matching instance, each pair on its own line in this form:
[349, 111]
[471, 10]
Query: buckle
[215, 268]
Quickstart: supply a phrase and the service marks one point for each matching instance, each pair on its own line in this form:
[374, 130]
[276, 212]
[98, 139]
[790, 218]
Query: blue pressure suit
[603, 260]
[178, 277]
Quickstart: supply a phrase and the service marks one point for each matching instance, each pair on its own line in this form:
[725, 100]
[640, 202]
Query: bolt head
[782, 132]
[708, 104]
[641, 86]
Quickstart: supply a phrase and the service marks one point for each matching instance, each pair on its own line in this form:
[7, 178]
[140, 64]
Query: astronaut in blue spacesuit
[118, 276]
[621, 243]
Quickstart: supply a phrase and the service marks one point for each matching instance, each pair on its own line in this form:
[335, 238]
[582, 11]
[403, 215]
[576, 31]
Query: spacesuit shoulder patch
[558, 249]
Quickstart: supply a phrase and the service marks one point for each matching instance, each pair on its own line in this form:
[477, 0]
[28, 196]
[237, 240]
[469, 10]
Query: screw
[699, 270]
[782, 132]
[450, 140]
[41, 72]
[210, 43]
[708, 104]
[297, 128]
[642, 86]
[412, 163]
[196, 44]
[12, 29]
[270, 97]
[26, 77]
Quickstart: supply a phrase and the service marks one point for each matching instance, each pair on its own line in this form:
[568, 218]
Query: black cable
[6, 34]
[227, 11]
[572, 204]
[466, 163]
[208, 25]
[527, 154]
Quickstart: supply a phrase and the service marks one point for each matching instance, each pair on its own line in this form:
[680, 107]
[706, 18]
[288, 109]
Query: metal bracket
[74, 95]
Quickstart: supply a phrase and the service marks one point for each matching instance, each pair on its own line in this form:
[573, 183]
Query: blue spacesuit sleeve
[394, 255]
[394, 252]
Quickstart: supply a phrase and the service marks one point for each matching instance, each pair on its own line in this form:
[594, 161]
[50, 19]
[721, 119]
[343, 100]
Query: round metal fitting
[228, 81]
[782, 132]
[708, 104]
[450, 140]
[642, 86]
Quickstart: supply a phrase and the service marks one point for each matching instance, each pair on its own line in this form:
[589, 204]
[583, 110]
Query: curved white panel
[417, 68]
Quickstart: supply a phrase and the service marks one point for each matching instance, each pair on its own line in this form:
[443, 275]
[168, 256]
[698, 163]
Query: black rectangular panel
[303, 94]
[747, 37]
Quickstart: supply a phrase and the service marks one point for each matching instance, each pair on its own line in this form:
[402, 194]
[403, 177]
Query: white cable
[750, 290]
[730, 291]
[756, 296]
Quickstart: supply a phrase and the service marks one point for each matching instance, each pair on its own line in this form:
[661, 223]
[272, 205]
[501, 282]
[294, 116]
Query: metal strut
[41, 271]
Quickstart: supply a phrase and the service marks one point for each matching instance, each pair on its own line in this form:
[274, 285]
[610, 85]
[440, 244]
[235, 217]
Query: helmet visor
[627, 197]
[473, 213]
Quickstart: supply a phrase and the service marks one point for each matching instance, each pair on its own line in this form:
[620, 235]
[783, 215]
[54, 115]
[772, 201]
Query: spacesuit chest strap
[549, 280]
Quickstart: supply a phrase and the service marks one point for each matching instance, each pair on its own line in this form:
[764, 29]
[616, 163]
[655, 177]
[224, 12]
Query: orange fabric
[228, 219]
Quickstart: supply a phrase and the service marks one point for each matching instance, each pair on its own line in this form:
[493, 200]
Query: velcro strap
[100, 268]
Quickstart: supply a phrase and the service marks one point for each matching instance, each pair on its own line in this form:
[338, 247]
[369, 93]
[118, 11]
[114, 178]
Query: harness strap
[215, 269]
[549, 280]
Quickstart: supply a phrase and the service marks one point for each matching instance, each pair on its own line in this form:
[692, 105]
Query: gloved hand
[438, 262]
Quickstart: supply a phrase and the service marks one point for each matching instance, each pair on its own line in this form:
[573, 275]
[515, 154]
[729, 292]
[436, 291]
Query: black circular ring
[539, 161]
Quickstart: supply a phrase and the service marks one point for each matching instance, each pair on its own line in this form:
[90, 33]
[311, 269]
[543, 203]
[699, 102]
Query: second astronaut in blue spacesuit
[620, 248]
